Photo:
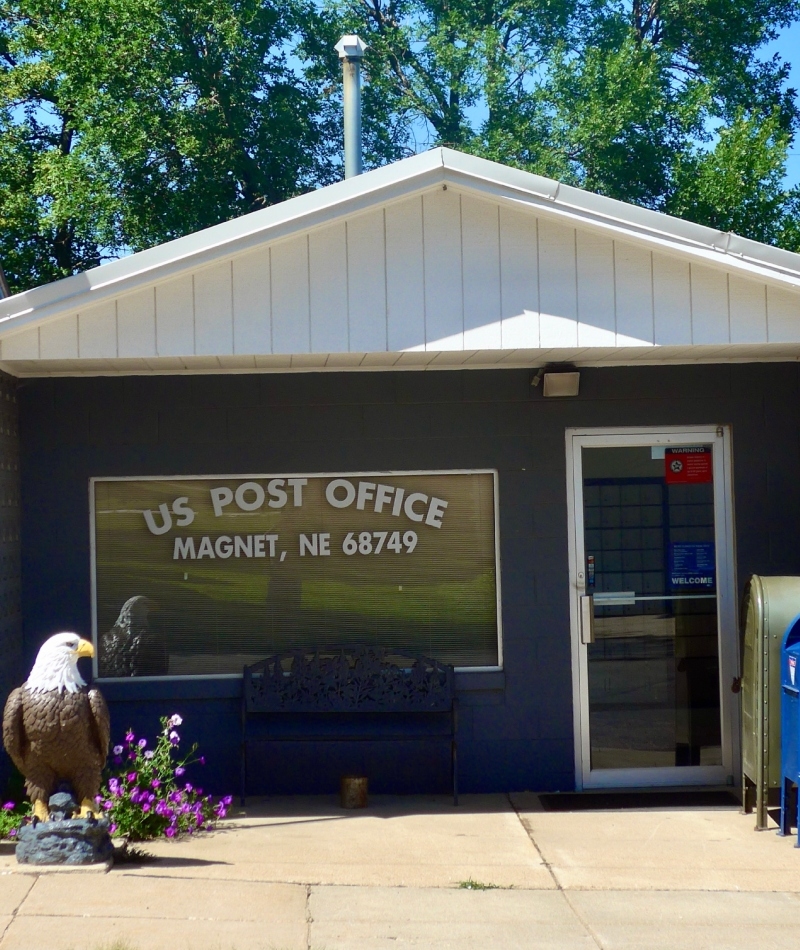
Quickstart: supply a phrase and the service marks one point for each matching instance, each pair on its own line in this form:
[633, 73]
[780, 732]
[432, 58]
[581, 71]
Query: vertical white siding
[633, 272]
[59, 340]
[480, 241]
[783, 316]
[405, 275]
[672, 301]
[136, 324]
[97, 331]
[291, 330]
[596, 308]
[175, 317]
[213, 310]
[327, 256]
[709, 305]
[519, 279]
[748, 303]
[558, 319]
[252, 331]
[444, 309]
[366, 282]
[21, 346]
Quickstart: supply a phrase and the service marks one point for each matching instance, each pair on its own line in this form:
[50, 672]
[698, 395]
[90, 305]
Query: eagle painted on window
[55, 729]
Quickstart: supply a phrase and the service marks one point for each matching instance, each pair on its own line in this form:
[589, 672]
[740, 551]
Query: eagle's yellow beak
[84, 648]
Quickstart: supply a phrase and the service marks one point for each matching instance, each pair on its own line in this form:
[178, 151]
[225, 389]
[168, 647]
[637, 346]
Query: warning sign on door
[689, 465]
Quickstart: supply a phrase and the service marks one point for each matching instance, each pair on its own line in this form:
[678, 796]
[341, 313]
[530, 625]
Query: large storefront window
[199, 576]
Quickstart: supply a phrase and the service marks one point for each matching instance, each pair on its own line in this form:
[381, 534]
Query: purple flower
[12, 833]
[142, 743]
[169, 832]
[98, 798]
[188, 788]
[112, 829]
[146, 806]
[129, 737]
[135, 796]
[118, 750]
[199, 791]
[179, 771]
[117, 760]
[227, 799]
[149, 754]
[202, 760]
[113, 785]
[174, 738]
[9, 806]
[108, 805]
[132, 776]
[175, 798]
[155, 783]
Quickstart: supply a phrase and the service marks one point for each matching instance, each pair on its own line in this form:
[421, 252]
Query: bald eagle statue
[55, 729]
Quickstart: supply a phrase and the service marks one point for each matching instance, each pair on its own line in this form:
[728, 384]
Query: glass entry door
[653, 627]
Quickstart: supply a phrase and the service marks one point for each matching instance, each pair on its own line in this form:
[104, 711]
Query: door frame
[727, 614]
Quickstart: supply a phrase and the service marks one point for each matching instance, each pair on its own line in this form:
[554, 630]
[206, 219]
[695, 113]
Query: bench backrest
[348, 679]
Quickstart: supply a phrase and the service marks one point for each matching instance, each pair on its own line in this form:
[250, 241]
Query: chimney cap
[350, 47]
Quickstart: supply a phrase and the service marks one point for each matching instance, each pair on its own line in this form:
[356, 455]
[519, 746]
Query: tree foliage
[128, 122]
[124, 123]
[666, 103]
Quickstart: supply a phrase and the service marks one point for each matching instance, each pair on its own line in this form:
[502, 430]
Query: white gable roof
[442, 259]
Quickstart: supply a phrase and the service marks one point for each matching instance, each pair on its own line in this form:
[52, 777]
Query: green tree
[666, 103]
[125, 123]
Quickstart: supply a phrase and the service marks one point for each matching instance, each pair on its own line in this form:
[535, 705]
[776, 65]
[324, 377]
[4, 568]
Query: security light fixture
[557, 382]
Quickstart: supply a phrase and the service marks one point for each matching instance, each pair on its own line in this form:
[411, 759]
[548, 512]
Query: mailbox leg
[785, 822]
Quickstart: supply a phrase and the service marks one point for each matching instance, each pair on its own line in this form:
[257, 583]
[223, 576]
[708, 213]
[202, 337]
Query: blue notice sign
[692, 566]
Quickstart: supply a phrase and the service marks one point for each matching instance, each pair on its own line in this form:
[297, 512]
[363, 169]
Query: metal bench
[325, 683]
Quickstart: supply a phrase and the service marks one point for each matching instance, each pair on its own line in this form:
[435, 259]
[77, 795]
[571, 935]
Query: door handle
[587, 618]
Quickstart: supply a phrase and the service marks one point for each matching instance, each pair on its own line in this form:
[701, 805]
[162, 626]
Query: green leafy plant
[470, 885]
[12, 817]
[145, 796]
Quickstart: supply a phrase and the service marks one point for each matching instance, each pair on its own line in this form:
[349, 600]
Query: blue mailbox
[790, 728]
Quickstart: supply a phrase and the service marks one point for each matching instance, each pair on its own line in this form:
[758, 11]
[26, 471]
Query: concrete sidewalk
[302, 874]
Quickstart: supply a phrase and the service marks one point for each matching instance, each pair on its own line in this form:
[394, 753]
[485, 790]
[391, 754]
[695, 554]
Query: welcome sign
[200, 575]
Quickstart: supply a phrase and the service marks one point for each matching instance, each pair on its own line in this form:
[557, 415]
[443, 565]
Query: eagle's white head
[56, 665]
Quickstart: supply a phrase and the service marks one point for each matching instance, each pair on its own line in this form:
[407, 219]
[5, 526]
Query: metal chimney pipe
[351, 51]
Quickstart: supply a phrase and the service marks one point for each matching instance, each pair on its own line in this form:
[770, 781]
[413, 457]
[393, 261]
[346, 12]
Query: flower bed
[145, 797]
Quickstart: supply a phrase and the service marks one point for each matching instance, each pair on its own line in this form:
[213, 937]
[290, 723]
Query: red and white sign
[688, 465]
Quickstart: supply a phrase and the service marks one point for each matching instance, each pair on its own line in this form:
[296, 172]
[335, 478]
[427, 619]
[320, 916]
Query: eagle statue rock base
[64, 840]
[55, 729]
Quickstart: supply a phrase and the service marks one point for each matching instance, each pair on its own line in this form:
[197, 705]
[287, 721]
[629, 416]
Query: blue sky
[788, 46]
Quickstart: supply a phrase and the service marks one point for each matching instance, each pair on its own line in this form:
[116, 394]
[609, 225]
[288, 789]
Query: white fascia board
[583, 209]
[230, 238]
[393, 182]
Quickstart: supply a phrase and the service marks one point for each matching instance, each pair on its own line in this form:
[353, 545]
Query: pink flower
[155, 783]
[129, 737]
[169, 832]
[179, 771]
[112, 828]
[146, 806]
[132, 776]
[9, 806]
[107, 805]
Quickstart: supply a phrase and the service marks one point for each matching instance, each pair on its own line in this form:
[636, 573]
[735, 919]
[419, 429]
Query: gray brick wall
[10, 613]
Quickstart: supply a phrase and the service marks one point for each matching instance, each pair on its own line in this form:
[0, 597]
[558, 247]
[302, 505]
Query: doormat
[613, 801]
